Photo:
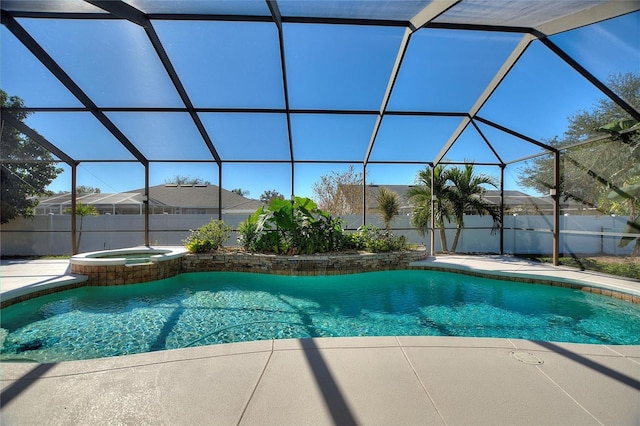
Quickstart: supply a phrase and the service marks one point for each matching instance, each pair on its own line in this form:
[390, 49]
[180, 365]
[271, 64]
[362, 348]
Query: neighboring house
[121, 203]
[351, 198]
[203, 199]
[163, 199]
[515, 202]
[400, 191]
[196, 199]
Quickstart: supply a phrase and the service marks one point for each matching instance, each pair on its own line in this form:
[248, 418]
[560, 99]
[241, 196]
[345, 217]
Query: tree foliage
[340, 193]
[602, 175]
[630, 195]
[269, 195]
[241, 192]
[589, 172]
[186, 180]
[83, 189]
[26, 168]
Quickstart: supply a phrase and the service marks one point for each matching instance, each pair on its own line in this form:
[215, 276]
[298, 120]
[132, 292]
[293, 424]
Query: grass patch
[628, 267]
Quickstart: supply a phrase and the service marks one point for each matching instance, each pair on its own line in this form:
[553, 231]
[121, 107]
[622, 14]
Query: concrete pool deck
[372, 380]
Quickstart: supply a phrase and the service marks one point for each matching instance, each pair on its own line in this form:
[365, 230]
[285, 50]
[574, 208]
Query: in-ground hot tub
[128, 265]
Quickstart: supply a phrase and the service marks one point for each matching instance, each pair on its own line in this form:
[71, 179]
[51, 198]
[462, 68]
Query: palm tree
[420, 197]
[465, 193]
[83, 210]
[388, 206]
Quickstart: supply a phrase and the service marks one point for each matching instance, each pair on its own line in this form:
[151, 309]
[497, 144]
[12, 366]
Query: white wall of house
[50, 234]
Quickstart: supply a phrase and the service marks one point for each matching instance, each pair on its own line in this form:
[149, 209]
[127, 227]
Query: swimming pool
[208, 308]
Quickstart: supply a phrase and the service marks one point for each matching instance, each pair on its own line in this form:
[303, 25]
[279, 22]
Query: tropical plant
[300, 227]
[388, 206]
[465, 194]
[291, 227]
[208, 237]
[83, 210]
[420, 196]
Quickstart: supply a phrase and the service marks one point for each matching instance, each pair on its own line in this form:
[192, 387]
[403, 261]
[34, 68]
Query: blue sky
[328, 67]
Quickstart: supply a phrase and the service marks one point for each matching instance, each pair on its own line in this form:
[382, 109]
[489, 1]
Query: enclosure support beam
[130, 13]
[422, 18]
[220, 191]
[41, 54]
[432, 236]
[556, 207]
[404, 44]
[601, 12]
[502, 166]
[277, 19]
[145, 201]
[516, 134]
[39, 139]
[293, 179]
[74, 241]
[364, 193]
[518, 51]
[592, 79]
[486, 141]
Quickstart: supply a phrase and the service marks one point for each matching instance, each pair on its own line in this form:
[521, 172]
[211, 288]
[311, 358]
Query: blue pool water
[210, 308]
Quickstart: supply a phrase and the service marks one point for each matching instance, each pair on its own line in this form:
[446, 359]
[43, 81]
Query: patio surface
[372, 380]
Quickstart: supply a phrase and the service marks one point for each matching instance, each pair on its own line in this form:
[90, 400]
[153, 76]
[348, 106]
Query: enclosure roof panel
[522, 13]
[288, 82]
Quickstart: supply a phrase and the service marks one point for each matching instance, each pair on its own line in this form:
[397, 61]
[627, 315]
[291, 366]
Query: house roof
[94, 198]
[184, 196]
[199, 196]
[518, 199]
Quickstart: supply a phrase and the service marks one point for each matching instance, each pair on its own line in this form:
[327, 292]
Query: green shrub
[197, 245]
[292, 227]
[299, 227]
[377, 240]
[247, 234]
[208, 237]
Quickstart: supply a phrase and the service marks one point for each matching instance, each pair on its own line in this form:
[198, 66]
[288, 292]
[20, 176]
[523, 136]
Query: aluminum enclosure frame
[427, 17]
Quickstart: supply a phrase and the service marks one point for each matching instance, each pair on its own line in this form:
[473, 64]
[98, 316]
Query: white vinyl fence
[51, 234]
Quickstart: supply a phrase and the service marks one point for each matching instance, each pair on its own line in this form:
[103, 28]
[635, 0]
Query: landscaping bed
[316, 264]
[622, 266]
